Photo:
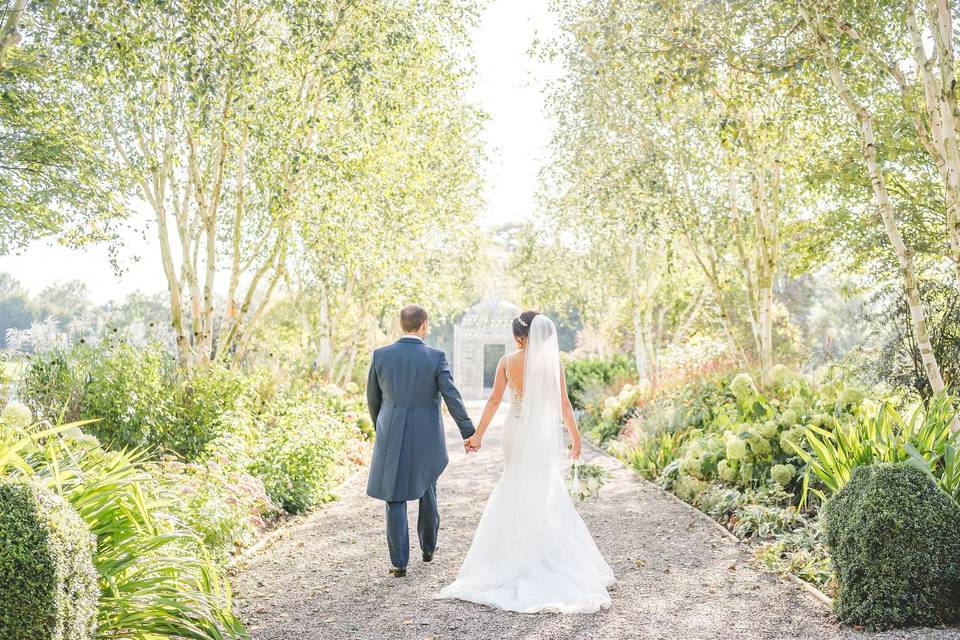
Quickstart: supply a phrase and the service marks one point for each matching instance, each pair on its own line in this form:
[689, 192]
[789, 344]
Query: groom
[406, 381]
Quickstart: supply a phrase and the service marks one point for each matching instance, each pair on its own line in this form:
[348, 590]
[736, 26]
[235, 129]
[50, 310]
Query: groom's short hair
[412, 317]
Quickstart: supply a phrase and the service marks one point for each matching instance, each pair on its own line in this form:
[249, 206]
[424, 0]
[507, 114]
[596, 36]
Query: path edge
[290, 525]
[821, 598]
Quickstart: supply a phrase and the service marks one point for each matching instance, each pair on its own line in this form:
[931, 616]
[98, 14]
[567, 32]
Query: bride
[531, 551]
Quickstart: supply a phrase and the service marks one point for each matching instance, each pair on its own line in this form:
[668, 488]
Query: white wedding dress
[532, 552]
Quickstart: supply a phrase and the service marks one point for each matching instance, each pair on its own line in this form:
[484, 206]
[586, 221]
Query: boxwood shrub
[48, 584]
[895, 551]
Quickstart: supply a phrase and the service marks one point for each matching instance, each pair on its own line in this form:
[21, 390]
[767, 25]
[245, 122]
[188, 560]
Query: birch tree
[53, 184]
[390, 211]
[814, 23]
[604, 234]
[236, 121]
[704, 135]
[894, 40]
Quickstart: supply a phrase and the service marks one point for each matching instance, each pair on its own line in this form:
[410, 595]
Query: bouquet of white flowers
[584, 480]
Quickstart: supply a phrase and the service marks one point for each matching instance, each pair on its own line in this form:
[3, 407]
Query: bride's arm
[493, 402]
[568, 418]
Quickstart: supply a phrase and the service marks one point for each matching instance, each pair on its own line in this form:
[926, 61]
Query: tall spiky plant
[156, 581]
[926, 439]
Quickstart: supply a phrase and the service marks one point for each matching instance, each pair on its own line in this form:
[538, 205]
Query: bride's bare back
[510, 371]
[513, 365]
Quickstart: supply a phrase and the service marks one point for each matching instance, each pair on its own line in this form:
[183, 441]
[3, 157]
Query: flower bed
[268, 451]
[232, 441]
[762, 461]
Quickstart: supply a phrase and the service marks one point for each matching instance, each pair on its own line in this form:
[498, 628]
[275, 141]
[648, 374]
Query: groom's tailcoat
[404, 387]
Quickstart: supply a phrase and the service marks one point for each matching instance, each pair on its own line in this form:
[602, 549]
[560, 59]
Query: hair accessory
[521, 321]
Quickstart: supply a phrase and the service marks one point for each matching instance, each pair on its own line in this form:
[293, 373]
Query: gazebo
[480, 339]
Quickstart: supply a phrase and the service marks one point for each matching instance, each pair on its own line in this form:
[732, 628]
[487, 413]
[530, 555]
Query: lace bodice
[516, 396]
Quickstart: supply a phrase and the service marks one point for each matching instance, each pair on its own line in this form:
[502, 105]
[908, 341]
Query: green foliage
[138, 395]
[203, 397]
[349, 405]
[589, 377]
[800, 552]
[883, 436]
[761, 513]
[243, 430]
[128, 390]
[53, 388]
[749, 458]
[892, 537]
[227, 508]
[650, 454]
[730, 431]
[299, 455]
[154, 578]
[52, 181]
[48, 584]
[634, 409]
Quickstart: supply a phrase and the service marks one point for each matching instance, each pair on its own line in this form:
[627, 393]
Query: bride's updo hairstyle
[521, 324]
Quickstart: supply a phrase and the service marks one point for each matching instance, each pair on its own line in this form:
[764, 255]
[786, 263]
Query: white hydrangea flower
[742, 386]
[794, 435]
[16, 415]
[727, 470]
[760, 446]
[789, 417]
[850, 395]
[688, 488]
[780, 374]
[768, 429]
[782, 474]
[736, 448]
[690, 466]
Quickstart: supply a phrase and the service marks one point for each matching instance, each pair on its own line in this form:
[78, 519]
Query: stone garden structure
[481, 337]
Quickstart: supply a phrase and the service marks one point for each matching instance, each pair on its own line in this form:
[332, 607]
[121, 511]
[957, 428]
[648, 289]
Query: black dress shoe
[427, 556]
[398, 572]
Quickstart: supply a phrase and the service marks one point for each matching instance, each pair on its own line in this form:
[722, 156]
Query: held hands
[472, 444]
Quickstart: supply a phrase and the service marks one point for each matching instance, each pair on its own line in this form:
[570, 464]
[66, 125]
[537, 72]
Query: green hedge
[588, 378]
[895, 551]
[48, 584]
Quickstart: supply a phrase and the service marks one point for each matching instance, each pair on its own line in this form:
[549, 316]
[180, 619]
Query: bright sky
[509, 88]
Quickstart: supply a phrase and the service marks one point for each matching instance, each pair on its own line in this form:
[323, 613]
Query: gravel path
[678, 576]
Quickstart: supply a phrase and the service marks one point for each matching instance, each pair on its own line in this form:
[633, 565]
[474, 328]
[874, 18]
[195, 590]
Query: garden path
[679, 577]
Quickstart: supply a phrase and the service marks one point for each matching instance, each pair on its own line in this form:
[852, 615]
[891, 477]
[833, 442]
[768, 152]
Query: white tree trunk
[8, 30]
[882, 198]
[938, 134]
